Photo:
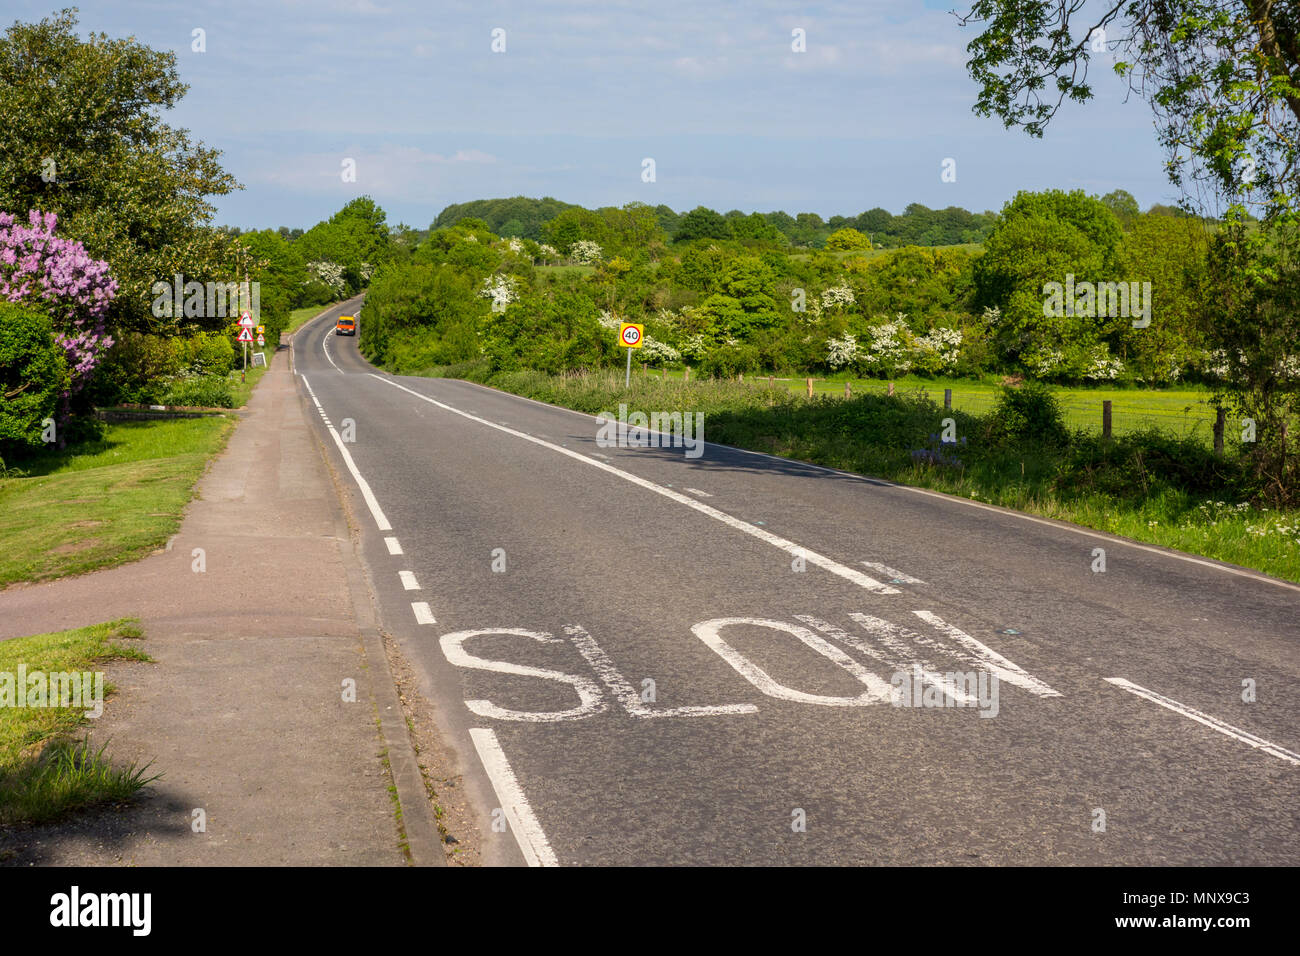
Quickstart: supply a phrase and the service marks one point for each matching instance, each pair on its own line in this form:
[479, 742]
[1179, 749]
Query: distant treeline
[525, 218]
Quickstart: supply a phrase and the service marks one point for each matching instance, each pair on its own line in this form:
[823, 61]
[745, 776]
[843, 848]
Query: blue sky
[288, 89]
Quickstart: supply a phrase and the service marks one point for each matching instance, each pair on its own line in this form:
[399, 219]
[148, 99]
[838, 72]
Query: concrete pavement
[244, 712]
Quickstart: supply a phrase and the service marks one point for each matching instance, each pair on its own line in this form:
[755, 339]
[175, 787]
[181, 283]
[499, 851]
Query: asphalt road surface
[644, 657]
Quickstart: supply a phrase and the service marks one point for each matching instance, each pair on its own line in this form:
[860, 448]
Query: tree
[702, 223]
[573, 225]
[1222, 77]
[57, 276]
[1123, 205]
[1048, 237]
[847, 239]
[81, 137]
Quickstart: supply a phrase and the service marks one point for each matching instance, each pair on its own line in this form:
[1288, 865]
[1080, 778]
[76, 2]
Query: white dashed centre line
[394, 547]
[408, 580]
[422, 613]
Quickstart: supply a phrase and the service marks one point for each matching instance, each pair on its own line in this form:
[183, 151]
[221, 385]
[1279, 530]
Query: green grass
[300, 317]
[46, 772]
[1186, 412]
[104, 502]
[1154, 487]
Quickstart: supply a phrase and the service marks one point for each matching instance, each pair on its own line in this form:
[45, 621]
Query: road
[642, 657]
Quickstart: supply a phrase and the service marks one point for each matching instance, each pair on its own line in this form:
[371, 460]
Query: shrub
[1028, 414]
[204, 391]
[34, 375]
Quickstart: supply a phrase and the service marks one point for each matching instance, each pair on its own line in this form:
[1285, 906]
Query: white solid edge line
[325, 347]
[422, 613]
[1060, 526]
[811, 557]
[375, 511]
[394, 546]
[1259, 743]
[527, 830]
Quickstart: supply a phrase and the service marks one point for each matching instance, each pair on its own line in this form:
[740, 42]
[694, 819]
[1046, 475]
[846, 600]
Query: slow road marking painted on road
[810, 557]
[896, 576]
[1236, 733]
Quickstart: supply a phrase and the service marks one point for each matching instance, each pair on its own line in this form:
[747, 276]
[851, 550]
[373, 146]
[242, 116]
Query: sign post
[246, 324]
[631, 336]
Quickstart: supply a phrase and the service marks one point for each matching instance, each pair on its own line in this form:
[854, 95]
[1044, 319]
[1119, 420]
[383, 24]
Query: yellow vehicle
[346, 325]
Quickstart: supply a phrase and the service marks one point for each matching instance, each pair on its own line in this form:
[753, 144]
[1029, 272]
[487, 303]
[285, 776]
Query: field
[1183, 412]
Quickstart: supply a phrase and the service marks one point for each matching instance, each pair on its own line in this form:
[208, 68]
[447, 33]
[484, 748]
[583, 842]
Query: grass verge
[47, 770]
[1147, 485]
[103, 502]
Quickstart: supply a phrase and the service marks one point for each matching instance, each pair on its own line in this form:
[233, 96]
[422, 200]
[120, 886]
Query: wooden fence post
[947, 398]
[1220, 419]
[891, 388]
[847, 392]
[688, 373]
[1105, 418]
[771, 381]
[810, 388]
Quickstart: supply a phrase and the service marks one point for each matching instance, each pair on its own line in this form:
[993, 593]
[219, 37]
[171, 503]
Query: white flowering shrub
[547, 252]
[694, 346]
[654, 352]
[837, 297]
[608, 319]
[501, 289]
[1103, 367]
[939, 349]
[330, 273]
[586, 253]
[842, 352]
[1043, 363]
[516, 246]
[890, 349]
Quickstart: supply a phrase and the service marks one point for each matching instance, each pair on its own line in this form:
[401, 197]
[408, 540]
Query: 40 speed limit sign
[631, 335]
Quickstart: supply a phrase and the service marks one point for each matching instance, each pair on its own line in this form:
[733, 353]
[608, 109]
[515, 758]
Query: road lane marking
[896, 576]
[980, 654]
[626, 694]
[408, 581]
[523, 822]
[375, 511]
[810, 557]
[950, 499]
[702, 494]
[325, 345]
[394, 547]
[422, 613]
[1236, 733]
